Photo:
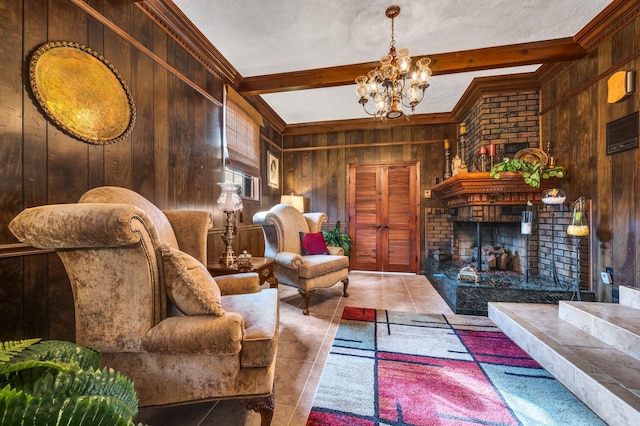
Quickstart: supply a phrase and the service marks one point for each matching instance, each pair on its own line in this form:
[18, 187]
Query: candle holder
[491, 151]
[447, 163]
[481, 159]
[229, 202]
[459, 160]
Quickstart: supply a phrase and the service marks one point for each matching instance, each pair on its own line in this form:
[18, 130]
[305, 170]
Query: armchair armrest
[190, 228]
[198, 334]
[85, 225]
[288, 259]
[238, 283]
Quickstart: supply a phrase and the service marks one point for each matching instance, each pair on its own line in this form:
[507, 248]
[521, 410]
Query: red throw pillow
[313, 243]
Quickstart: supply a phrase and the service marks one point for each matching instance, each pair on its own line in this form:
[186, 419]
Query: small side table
[262, 265]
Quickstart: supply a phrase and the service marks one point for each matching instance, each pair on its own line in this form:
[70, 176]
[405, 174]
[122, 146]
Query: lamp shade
[296, 201]
[229, 200]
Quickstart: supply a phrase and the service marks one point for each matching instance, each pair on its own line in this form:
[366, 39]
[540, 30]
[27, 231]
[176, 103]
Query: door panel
[383, 217]
[364, 217]
[401, 218]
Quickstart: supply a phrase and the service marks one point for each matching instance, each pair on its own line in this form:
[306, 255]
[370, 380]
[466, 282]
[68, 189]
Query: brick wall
[438, 231]
[502, 119]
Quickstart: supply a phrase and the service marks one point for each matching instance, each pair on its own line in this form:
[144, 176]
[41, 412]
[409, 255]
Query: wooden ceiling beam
[563, 49]
[366, 124]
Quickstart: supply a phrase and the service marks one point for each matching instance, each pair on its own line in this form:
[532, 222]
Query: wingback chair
[284, 227]
[144, 298]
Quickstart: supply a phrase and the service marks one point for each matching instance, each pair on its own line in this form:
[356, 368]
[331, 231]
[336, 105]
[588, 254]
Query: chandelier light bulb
[394, 84]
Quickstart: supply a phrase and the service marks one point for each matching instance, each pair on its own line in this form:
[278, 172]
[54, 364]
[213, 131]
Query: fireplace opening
[539, 267]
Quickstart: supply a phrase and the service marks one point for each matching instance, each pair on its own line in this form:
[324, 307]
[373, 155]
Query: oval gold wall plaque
[81, 92]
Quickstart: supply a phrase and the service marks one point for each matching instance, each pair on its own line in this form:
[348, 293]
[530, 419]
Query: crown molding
[607, 23]
[167, 15]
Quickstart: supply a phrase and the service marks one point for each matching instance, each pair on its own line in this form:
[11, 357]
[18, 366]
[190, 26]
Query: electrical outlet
[427, 193]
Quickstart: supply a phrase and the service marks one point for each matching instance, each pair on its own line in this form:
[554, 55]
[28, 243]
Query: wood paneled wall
[574, 115]
[173, 156]
[315, 165]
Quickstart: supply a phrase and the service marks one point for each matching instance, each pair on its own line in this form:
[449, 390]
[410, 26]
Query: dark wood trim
[366, 124]
[171, 19]
[167, 15]
[608, 22]
[563, 49]
[132, 41]
[368, 145]
[20, 249]
[267, 113]
[271, 143]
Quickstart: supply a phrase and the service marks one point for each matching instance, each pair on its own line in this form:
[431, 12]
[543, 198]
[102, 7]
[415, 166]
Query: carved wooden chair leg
[263, 406]
[306, 295]
[345, 283]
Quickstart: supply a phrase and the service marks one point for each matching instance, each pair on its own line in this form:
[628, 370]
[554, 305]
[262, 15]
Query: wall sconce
[620, 85]
[296, 201]
[229, 202]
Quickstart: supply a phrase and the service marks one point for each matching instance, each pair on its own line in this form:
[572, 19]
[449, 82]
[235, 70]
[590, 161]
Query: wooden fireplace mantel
[481, 189]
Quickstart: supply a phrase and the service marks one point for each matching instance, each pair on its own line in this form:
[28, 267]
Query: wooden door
[383, 217]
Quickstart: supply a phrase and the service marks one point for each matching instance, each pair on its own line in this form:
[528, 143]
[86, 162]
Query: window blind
[242, 124]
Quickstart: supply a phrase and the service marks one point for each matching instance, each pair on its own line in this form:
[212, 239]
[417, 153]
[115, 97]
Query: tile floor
[303, 346]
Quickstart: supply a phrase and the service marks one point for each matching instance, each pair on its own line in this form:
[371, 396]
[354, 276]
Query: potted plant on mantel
[532, 171]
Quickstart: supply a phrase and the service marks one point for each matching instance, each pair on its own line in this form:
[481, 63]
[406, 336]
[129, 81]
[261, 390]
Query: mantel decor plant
[337, 238]
[60, 383]
[532, 172]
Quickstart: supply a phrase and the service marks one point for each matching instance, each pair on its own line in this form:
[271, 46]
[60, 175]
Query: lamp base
[228, 258]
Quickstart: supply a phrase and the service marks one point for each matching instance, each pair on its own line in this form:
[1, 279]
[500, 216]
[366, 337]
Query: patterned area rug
[395, 368]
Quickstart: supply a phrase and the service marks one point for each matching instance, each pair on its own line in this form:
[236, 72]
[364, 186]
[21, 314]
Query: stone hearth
[470, 298]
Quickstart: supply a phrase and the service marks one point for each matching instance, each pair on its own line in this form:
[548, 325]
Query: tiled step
[616, 325]
[604, 378]
[629, 296]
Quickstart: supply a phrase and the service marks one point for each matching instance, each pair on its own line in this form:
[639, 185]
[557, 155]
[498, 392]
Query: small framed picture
[273, 170]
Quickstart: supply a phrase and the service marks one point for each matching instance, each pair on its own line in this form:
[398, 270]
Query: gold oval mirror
[81, 92]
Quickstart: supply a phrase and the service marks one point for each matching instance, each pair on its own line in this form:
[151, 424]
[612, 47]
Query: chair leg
[306, 295]
[345, 284]
[263, 406]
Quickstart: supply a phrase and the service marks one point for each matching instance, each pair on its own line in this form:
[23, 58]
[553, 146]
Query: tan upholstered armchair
[144, 298]
[282, 227]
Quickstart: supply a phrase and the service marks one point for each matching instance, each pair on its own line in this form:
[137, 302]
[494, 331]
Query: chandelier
[394, 84]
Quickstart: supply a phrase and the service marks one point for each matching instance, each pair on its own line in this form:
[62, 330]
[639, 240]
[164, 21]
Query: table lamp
[229, 202]
[296, 201]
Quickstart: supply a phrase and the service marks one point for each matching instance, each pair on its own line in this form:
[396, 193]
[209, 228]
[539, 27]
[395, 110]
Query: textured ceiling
[260, 37]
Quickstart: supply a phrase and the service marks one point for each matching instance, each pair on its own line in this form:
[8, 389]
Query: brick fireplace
[552, 259]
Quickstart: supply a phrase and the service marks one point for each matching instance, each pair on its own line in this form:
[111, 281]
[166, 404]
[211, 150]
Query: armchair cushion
[260, 312]
[318, 265]
[197, 334]
[189, 285]
[312, 243]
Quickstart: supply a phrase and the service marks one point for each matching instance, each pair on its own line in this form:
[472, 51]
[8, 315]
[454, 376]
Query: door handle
[386, 227]
[378, 226]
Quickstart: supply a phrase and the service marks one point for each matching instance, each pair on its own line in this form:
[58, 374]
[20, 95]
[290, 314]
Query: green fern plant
[337, 238]
[532, 172]
[60, 383]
